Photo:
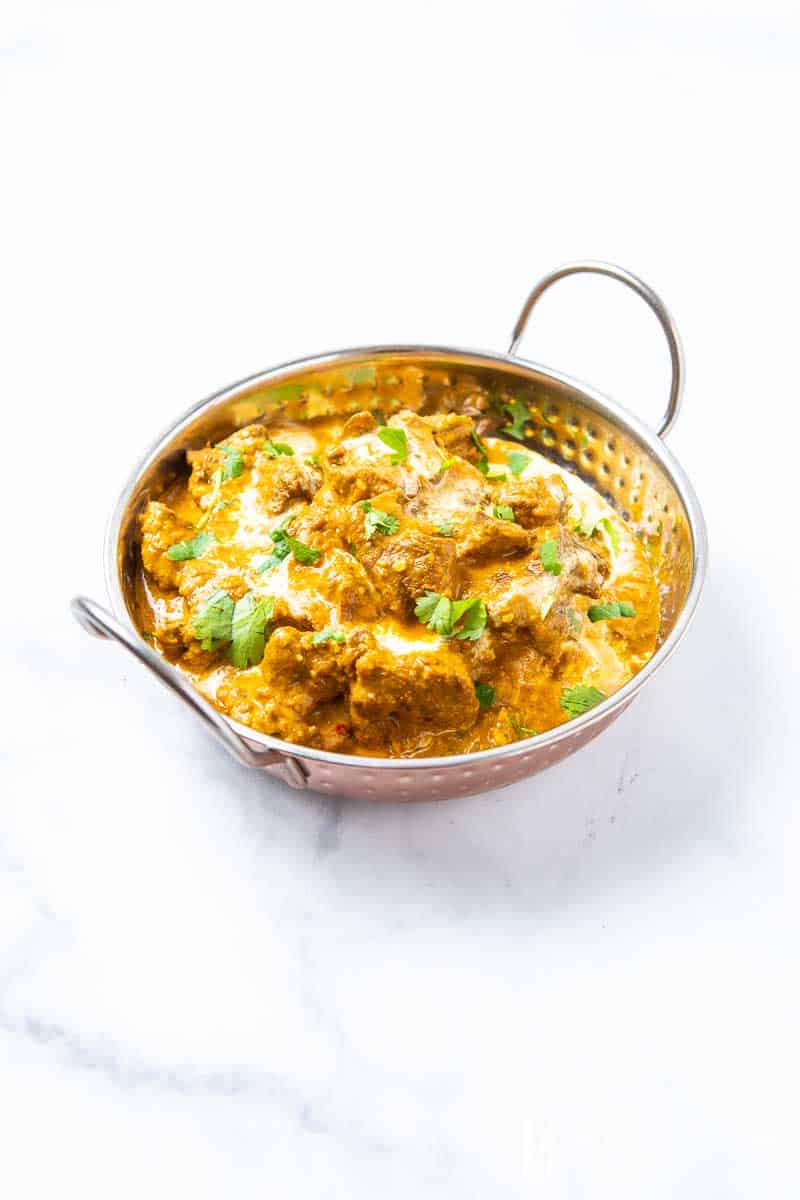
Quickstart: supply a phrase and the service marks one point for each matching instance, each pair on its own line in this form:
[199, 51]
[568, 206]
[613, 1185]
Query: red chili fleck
[342, 730]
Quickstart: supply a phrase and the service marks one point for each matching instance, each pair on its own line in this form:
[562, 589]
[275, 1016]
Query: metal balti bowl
[571, 424]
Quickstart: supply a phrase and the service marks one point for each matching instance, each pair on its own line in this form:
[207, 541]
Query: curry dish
[399, 581]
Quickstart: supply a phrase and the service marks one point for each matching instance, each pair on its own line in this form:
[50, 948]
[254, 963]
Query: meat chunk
[454, 435]
[360, 422]
[206, 462]
[161, 528]
[279, 481]
[400, 697]
[583, 570]
[287, 693]
[486, 538]
[539, 602]
[537, 501]
[168, 617]
[340, 582]
[452, 496]
[361, 466]
[352, 482]
[409, 563]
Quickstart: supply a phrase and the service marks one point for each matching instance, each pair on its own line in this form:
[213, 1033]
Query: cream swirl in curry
[406, 587]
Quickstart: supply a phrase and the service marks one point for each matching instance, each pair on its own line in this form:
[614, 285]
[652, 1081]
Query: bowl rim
[598, 400]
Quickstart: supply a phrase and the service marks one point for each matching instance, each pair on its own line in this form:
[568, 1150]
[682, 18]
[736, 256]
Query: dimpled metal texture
[569, 424]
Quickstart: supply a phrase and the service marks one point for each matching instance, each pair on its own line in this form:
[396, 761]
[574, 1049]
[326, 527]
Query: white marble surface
[583, 986]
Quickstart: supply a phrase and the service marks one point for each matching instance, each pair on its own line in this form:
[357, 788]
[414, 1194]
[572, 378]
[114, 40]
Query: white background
[583, 986]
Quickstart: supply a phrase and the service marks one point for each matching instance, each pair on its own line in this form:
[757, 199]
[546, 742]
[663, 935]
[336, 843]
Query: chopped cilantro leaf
[442, 615]
[481, 447]
[579, 698]
[436, 612]
[611, 611]
[302, 553]
[327, 635]
[249, 629]
[473, 612]
[503, 512]
[445, 528]
[519, 416]
[378, 415]
[276, 449]
[377, 521]
[611, 530]
[522, 730]
[548, 553]
[517, 462]
[446, 464]
[397, 442]
[192, 548]
[212, 625]
[286, 545]
[233, 465]
[485, 694]
[313, 460]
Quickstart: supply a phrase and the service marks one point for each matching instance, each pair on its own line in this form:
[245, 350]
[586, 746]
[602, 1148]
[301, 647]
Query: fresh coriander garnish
[302, 553]
[276, 449]
[548, 554]
[446, 464]
[435, 611]
[282, 550]
[517, 462]
[327, 635]
[442, 615]
[445, 528]
[313, 460]
[584, 526]
[503, 512]
[249, 629]
[193, 548]
[286, 545]
[485, 694]
[611, 611]
[611, 530]
[233, 465]
[212, 625]
[397, 442]
[483, 451]
[519, 416]
[579, 698]
[377, 521]
[378, 415]
[522, 730]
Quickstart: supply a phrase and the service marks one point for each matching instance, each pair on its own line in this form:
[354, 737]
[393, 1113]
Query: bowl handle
[647, 294]
[98, 621]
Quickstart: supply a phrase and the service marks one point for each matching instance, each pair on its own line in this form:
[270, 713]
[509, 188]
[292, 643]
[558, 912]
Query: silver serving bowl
[571, 424]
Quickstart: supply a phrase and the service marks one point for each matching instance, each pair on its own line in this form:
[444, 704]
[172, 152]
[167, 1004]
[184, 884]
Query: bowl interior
[569, 424]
